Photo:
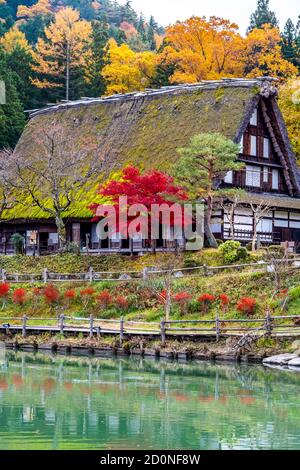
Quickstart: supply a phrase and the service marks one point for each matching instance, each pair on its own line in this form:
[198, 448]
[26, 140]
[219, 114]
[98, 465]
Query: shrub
[121, 303]
[246, 305]
[224, 302]
[206, 300]
[4, 289]
[18, 242]
[232, 252]
[70, 294]
[295, 293]
[51, 294]
[87, 295]
[19, 296]
[182, 299]
[104, 298]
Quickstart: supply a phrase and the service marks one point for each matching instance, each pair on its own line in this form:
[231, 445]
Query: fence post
[205, 270]
[163, 331]
[91, 274]
[91, 326]
[121, 330]
[45, 275]
[61, 324]
[218, 327]
[268, 323]
[145, 274]
[24, 333]
[3, 275]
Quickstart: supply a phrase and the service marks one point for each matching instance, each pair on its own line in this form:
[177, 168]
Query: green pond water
[61, 402]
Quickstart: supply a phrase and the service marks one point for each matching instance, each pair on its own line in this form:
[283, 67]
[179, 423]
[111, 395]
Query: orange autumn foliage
[204, 49]
[264, 56]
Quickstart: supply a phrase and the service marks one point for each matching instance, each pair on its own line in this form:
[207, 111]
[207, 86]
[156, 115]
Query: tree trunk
[168, 300]
[254, 237]
[61, 231]
[207, 228]
[68, 72]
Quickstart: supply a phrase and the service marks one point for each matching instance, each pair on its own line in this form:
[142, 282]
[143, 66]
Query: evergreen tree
[262, 15]
[12, 119]
[100, 36]
[289, 47]
[152, 28]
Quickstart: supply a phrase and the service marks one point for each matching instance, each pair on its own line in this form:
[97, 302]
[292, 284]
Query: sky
[239, 11]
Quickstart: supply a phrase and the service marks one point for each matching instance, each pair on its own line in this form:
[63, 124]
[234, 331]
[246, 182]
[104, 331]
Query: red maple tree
[152, 187]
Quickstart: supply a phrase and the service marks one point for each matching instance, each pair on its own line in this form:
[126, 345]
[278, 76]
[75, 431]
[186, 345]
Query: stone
[295, 344]
[294, 362]
[280, 359]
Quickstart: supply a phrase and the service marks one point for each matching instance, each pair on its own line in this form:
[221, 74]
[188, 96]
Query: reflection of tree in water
[69, 402]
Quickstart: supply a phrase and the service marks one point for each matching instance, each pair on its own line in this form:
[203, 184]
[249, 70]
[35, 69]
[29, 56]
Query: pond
[65, 402]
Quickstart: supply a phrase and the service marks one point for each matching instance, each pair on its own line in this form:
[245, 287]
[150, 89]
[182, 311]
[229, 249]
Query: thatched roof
[146, 129]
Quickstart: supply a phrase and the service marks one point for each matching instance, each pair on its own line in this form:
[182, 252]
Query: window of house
[265, 225]
[229, 177]
[252, 176]
[242, 144]
[253, 120]
[266, 174]
[266, 148]
[253, 145]
[275, 179]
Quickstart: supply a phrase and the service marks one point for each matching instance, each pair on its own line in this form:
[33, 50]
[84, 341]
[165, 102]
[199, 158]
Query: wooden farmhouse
[146, 129]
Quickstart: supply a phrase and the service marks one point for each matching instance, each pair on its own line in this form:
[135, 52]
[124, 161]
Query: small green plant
[18, 242]
[232, 252]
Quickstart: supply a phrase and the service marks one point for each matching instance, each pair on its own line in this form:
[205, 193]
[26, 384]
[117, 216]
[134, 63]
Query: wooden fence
[270, 326]
[123, 276]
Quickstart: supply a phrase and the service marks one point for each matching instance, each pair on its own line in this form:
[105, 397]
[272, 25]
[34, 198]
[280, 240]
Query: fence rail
[123, 276]
[216, 328]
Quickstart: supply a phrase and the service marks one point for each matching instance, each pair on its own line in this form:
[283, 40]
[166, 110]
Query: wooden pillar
[91, 326]
[121, 331]
[163, 331]
[76, 233]
[24, 333]
[61, 324]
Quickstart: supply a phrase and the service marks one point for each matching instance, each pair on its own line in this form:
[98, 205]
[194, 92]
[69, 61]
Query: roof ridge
[204, 84]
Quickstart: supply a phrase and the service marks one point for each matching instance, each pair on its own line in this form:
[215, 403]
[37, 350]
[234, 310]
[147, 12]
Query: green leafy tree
[203, 164]
[262, 15]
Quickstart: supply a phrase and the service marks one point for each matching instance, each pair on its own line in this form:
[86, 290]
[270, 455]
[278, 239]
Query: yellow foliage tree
[65, 50]
[289, 102]
[203, 49]
[42, 7]
[125, 70]
[15, 38]
[264, 56]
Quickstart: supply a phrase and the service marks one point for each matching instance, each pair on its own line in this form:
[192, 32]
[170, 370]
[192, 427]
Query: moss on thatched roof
[144, 129]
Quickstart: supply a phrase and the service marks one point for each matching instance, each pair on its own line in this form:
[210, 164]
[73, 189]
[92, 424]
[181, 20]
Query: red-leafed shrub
[182, 299]
[246, 305]
[70, 294]
[206, 300]
[87, 296]
[224, 301]
[19, 296]
[4, 289]
[104, 298]
[88, 292]
[51, 294]
[121, 303]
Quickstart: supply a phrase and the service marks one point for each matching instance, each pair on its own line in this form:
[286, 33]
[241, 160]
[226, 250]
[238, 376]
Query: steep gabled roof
[147, 128]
